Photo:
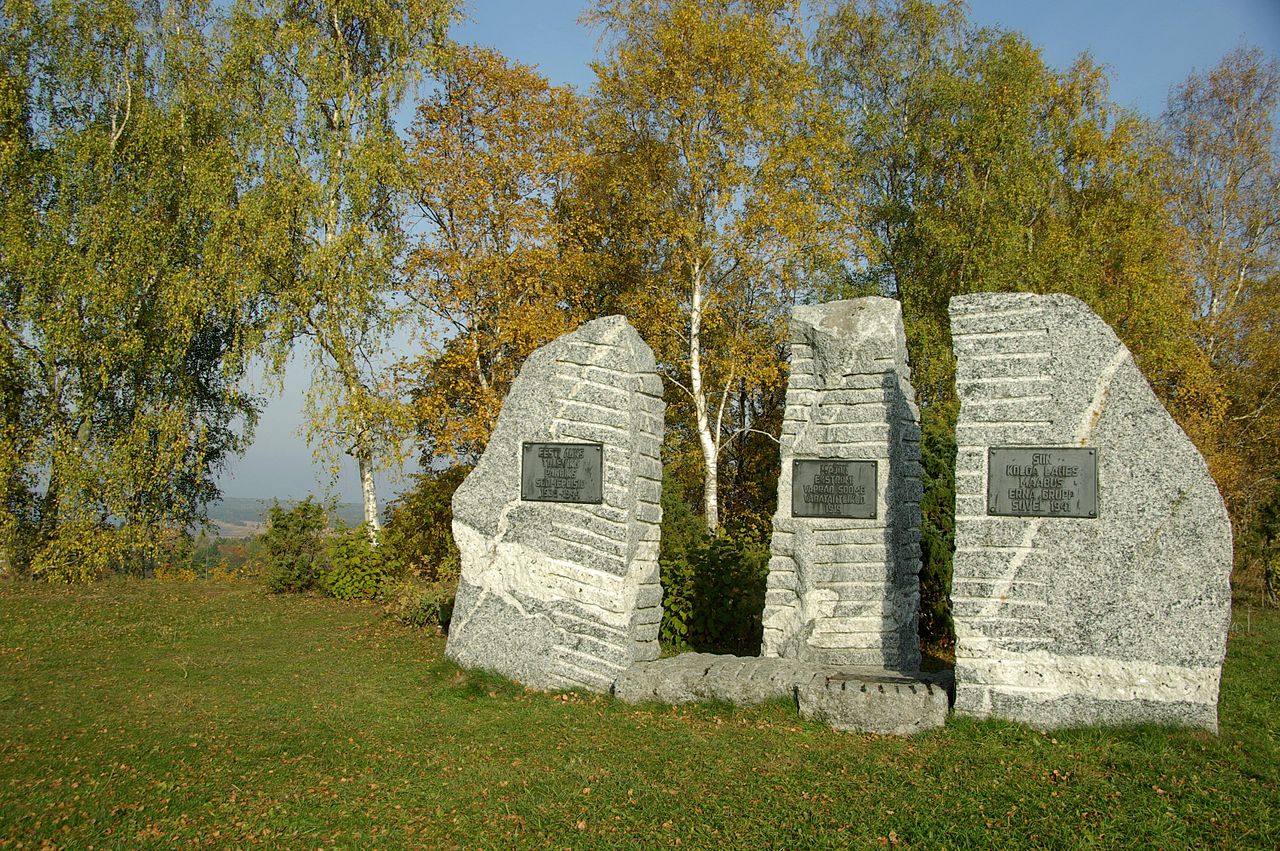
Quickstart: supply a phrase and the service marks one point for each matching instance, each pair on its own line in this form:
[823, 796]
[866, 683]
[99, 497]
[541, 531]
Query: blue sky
[1147, 46]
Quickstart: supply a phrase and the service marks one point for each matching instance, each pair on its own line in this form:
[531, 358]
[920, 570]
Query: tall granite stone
[844, 590]
[559, 594]
[1091, 577]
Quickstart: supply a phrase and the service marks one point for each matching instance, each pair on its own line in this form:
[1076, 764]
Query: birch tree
[125, 317]
[984, 169]
[719, 93]
[1224, 192]
[326, 79]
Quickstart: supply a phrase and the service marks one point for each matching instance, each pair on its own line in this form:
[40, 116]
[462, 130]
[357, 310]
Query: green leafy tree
[976, 168]
[980, 168]
[124, 318]
[1224, 192]
[713, 100]
[325, 80]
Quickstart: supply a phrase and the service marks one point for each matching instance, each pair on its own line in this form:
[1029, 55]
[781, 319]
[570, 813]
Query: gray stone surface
[846, 698]
[846, 591]
[1071, 621]
[889, 706]
[566, 595]
[691, 677]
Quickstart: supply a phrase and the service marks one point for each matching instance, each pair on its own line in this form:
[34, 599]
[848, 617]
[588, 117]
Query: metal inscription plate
[1042, 481]
[833, 488]
[562, 472]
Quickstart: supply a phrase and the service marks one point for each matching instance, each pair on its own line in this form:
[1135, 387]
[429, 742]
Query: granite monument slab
[843, 584]
[1093, 549]
[558, 523]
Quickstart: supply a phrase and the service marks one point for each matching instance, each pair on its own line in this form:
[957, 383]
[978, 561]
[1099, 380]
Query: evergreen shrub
[938, 523]
[294, 553]
[713, 585]
[419, 530]
[415, 602]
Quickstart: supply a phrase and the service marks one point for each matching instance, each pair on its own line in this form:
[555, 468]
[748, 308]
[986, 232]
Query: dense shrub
[357, 569]
[682, 533]
[415, 602]
[1259, 547]
[713, 586]
[419, 530]
[938, 523]
[173, 573]
[294, 552]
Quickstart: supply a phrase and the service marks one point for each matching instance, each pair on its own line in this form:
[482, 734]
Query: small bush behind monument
[713, 585]
[300, 552]
[419, 528]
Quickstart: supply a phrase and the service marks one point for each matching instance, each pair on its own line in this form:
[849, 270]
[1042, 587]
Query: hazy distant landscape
[244, 517]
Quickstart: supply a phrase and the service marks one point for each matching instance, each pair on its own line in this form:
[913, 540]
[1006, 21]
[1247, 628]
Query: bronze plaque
[562, 472]
[831, 487]
[1042, 481]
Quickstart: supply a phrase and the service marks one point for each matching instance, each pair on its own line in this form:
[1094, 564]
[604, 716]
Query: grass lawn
[144, 714]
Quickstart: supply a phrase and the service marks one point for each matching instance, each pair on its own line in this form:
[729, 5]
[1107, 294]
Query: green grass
[143, 714]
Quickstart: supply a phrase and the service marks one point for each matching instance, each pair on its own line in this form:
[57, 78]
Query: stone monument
[558, 523]
[1092, 548]
[843, 585]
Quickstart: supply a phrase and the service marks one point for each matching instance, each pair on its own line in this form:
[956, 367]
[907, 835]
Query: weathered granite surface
[566, 595]
[1071, 621]
[846, 591]
[897, 706]
[846, 698]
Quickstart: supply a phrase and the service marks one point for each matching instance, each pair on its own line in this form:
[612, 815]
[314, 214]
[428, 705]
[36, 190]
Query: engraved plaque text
[833, 488]
[562, 472]
[1042, 481]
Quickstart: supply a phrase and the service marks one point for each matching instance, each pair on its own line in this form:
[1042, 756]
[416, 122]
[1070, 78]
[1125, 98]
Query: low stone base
[1083, 711]
[894, 706]
[862, 699]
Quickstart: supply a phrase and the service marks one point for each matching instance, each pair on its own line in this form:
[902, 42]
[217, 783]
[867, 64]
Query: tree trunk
[710, 491]
[364, 456]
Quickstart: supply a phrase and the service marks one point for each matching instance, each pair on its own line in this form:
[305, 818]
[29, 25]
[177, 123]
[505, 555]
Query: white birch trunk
[710, 490]
[365, 458]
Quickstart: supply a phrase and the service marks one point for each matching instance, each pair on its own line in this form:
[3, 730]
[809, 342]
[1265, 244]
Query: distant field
[143, 714]
[240, 517]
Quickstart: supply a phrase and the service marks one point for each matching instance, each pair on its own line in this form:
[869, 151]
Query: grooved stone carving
[845, 590]
[557, 594]
[871, 701]
[1063, 621]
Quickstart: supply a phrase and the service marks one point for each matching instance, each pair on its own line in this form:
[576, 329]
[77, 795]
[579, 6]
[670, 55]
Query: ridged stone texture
[1071, 621]
[846, 591]
[862, 699]
[566, 595]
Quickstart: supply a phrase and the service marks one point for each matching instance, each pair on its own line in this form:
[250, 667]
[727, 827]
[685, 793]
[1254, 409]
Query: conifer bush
[294, 552]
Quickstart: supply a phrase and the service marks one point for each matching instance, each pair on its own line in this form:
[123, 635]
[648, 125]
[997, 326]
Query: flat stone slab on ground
[862, 699]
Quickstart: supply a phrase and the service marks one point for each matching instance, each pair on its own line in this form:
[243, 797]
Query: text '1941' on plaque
[833, 488]
[562, 472]
[1042, 481]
